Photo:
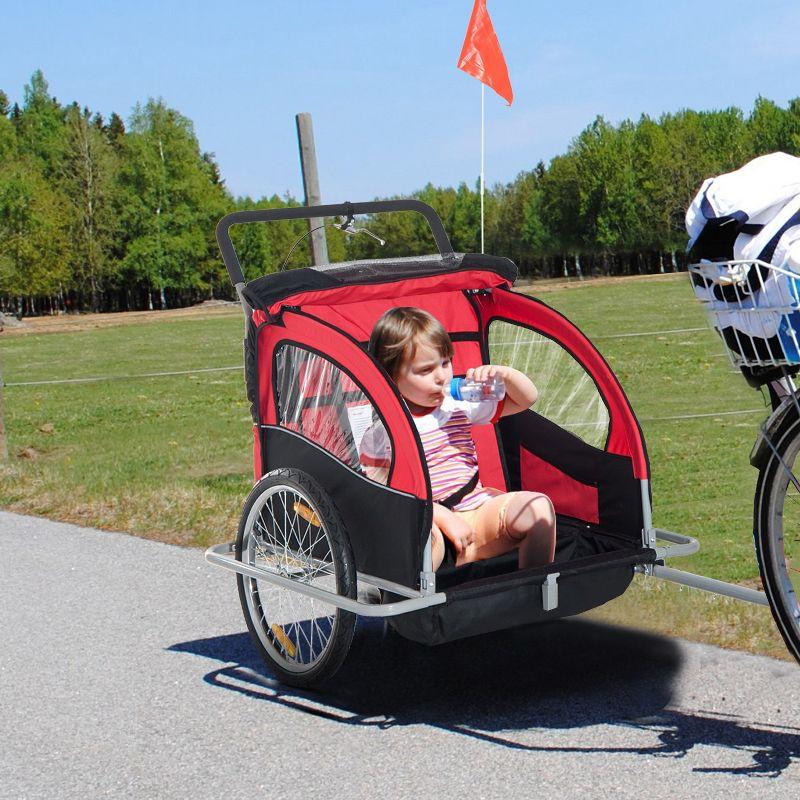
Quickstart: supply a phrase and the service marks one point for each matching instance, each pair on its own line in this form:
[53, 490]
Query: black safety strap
[457, 496]
[750, 228]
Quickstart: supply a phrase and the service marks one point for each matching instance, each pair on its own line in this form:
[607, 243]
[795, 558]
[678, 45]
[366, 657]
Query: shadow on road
[563, 675]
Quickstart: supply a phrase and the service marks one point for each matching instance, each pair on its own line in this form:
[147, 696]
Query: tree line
[105, 215]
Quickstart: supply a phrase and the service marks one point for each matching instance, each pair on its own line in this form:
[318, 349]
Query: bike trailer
[314, 388]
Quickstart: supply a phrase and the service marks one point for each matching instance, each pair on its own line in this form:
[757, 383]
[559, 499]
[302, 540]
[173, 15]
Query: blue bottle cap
[455, 388]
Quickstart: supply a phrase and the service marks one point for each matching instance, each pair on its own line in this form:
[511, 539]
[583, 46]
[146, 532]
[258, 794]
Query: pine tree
[115, 130]
[213, 168]
[8, 140]
[41, 127]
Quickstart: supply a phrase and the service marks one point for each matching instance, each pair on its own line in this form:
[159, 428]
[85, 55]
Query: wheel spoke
[320, 632]
[302, 632]
[284, 543]
[320, 535]
[271, 530]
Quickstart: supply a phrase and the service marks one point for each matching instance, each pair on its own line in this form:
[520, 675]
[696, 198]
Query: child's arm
[520, 391]
[453, 527]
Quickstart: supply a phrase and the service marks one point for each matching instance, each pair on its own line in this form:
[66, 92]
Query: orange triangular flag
[481, 55]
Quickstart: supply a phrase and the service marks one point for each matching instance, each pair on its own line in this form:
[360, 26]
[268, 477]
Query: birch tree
[87, 178]
[170, 200]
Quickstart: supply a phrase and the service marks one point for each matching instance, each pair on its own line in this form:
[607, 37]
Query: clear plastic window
[321, 402]
[567, 394]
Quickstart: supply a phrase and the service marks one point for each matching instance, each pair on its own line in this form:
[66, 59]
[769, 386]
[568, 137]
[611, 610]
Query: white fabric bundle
[764, 192]
[751, 193]
[774, 218]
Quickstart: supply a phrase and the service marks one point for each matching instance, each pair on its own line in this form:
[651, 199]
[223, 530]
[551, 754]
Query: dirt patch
[63, 323]
[558, 284]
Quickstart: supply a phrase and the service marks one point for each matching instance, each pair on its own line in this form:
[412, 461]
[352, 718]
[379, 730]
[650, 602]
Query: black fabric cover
[384, 525]
[619, 493]
[575, 541]
[715, 242]
[263, 292]
[251, 368]
[515, 598]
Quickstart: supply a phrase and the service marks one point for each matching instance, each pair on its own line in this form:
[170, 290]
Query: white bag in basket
[752, 214]
[757, 189]
[775, 289]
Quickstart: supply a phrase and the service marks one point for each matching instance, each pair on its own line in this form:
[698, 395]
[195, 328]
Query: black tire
[777, 532]
[290, 526]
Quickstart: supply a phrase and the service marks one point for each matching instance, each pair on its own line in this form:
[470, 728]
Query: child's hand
[520, 391]
[486, 371]
[458, 532]
[453, 527]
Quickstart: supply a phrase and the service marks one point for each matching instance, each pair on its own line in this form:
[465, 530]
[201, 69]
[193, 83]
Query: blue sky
[390, 109]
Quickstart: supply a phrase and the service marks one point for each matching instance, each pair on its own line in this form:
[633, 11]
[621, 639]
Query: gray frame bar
[221, 555]
[710, 585]
[681, 545]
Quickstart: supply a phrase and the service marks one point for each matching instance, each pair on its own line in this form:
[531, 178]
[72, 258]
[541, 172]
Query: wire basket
[755, 307]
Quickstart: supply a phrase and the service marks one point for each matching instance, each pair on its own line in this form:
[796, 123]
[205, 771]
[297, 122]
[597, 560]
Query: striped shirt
[449, 450]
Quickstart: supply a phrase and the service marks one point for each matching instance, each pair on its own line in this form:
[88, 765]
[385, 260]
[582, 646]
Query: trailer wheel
[777, 532]
[290, 527]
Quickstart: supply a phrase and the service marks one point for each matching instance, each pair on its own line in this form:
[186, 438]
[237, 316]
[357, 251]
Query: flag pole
[483, 92]
[482, 58]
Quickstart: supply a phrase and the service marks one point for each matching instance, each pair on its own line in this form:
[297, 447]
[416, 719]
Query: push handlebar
[310, 212]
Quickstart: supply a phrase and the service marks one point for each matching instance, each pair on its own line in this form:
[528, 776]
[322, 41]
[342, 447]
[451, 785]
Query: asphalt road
[126, 671]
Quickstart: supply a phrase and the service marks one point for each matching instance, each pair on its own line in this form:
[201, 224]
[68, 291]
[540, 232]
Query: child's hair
[399, 331]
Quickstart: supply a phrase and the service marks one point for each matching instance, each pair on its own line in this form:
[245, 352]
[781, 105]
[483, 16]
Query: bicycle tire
[776, 532]
[289, 525]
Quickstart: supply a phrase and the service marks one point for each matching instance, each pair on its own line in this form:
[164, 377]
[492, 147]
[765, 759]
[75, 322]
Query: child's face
[424, 379]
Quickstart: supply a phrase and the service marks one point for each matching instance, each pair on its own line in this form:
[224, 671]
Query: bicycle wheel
[777, 533]
[290, 527]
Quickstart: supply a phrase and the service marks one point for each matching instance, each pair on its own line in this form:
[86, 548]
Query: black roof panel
[263, 292]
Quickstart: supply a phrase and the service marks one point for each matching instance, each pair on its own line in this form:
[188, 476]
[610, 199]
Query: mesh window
[321, 402]
[567, 394]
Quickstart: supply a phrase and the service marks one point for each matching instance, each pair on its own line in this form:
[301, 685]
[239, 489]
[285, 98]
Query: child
[470, 521]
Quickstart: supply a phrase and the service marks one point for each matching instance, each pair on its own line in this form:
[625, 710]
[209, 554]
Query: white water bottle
[475, 391]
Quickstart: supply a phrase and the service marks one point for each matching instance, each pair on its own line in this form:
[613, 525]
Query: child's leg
[516, 519]
[530, 519]
[437, 547]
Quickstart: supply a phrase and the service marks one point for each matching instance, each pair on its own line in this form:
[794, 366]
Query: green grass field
[170, 457]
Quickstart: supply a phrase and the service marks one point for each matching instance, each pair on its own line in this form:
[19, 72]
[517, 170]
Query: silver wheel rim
[784, 533]
[286, 534]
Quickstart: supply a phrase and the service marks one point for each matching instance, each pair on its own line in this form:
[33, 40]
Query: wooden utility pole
[3, 442]
[308, 164]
